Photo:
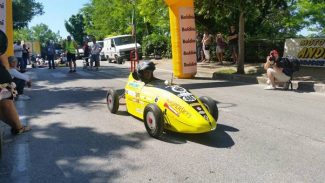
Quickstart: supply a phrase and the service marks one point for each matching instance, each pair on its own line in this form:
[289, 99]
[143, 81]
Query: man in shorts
[70, 48]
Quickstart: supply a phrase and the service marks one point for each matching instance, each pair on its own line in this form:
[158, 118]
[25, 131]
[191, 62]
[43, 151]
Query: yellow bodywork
[179, 115]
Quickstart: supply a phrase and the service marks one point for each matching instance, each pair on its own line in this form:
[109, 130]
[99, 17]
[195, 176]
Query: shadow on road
[218, 84]
[68, 154]
[218, 138]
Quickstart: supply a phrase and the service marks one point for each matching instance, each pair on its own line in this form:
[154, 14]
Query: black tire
[211, 105]
[112, 101]
[118, 60]
[153, 120]
[108, 59]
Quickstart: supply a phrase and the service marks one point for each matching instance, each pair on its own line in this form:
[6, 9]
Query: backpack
[290, 65]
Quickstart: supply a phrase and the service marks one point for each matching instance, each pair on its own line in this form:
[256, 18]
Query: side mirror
[3, 42]
[112, 45]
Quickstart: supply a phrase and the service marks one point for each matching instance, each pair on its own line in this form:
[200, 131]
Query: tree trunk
[241, 44]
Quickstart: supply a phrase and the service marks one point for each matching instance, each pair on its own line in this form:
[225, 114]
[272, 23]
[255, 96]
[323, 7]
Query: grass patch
[227, 71]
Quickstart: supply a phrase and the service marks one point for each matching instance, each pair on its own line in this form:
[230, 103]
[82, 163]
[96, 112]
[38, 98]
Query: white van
[118, 48]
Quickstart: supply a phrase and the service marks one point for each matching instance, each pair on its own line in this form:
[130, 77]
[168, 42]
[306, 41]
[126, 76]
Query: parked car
[118, 48]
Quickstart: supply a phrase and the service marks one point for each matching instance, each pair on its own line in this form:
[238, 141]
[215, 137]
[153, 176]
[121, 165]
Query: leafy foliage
[24, 11]
[155, 44]
[40, 32]
[76, 27]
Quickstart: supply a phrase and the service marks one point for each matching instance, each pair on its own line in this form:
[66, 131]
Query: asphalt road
[262, 136]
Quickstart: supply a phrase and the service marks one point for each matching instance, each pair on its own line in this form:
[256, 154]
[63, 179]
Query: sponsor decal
[171, 109]
[134, 84]
[177, 108]
[131, 93]
[201, 111]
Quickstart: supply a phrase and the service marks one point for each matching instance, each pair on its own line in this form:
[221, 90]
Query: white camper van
[118, 48]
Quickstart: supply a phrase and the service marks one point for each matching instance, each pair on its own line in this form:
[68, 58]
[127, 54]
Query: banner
[188, 39]
[309, 51]
[183, 37]
[3, 15]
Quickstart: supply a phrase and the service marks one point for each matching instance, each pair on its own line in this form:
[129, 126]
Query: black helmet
[145, 66]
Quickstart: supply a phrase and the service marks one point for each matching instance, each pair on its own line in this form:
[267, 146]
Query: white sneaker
[270, 87]
[23, 97]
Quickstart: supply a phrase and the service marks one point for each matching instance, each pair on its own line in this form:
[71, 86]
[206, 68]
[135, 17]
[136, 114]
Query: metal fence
[256, 50]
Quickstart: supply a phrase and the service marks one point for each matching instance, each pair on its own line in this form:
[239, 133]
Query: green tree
[24, 11]
[76, 27]
[312, 12]
[263, 18]
[23, 34]
[40, 32]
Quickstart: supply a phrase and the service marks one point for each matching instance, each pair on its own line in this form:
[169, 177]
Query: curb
[304, 86]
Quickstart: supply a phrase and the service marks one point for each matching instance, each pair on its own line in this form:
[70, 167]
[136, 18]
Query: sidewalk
[308, 79]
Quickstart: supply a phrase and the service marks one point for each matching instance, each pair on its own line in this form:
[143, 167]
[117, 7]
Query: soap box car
[165, 106]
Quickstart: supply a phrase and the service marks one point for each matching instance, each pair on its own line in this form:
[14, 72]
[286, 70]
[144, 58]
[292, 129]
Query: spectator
[206, 41]
[95, 50]
[233, 43]
[70, 48]
[8, 113]
[275, 70]
[19, 79]
[86, 52]
[199, 54]
[25, 55]
[220, 49]
[18, 52]
[50, 54]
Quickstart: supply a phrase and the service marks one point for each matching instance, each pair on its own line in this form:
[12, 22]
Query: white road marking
[20, 172]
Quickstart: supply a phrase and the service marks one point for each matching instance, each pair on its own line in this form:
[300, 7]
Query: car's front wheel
[112, 101]
[211, 105]
[153, 120]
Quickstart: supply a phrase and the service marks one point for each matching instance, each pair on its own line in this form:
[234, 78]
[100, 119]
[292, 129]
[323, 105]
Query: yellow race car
[165, 106]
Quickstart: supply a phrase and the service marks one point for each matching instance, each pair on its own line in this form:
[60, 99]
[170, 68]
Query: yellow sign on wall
[309, 51]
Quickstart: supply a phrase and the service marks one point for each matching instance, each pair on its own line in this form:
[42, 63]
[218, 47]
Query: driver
[145, 71]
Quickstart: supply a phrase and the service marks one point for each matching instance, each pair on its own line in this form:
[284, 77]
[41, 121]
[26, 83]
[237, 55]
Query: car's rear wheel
[112, 101]
[153, 120]
[211, 105]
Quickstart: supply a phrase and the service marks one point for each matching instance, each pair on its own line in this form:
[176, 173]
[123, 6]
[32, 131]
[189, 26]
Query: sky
[56, 12]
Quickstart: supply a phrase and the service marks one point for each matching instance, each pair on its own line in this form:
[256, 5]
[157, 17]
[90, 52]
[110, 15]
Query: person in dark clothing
[25, 54]
[233, 43]
[86, 52]
[50, 54]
